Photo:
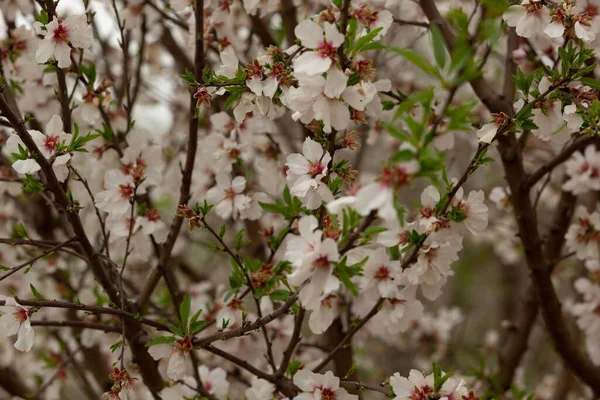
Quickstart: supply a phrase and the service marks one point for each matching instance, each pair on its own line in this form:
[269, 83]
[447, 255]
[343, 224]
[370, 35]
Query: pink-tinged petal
[307, 225]
[255, 84]
[215, 195]
[28, 166]
[354, 98]
[311, 63]
[312, 150]
[310, 33]
[26, 337]
[62, 53]
[238, 184]
[297, 164]
[335, 83]
[269, 86]
[224, 209]
[340, 115]
[223, 181]
[555, 29]
[304, 379]
[176, 367]
[9, 325]
[54, 126]
[333, 35]
[513, 15]
[45, 51]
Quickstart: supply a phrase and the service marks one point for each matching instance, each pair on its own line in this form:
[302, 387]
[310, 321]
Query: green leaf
[416, 60]
[184, 309]
[161, 340]
[280, 294]
[340, 269]
[439, 50]
[36, 293]
[593, 83]
[364, 40]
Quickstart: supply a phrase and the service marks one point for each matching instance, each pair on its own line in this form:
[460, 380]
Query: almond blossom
[16, 321]
[530, 18]
[583, 171]
[583, 236]
[177, 352]
[320, 386]
[214, 381]
[228, 197]
[322, 42]
[306, 173]
[61, 35]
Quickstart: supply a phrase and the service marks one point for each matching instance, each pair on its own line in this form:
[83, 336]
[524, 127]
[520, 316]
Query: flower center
[321, 262]
[315, 169]
[21, 315]
[60, 34]
[230, 193]
[326, 49]
[51, 142]
[327, 394]
[126, 191]
[383, 273]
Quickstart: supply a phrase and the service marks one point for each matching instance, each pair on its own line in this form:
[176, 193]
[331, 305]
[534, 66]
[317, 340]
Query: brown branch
[78, 325]
[248, 327]
[30, 262]
[349, 335]
[91, 309]
[186, 180]
[564, 342]
[559, 159]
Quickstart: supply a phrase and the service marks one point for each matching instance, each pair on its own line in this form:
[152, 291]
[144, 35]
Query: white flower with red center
[312, 258]
[583, 236]
[327, 99]
[429, 200]
[306, 244]
[306, 172]
[60, 35]
[487, 132]
[416, 387]
[550, 122]
[432, 267]
[214, 381]
[320, 386]
[255, 82]
[16, 321]
[231, 314]
[398, 313]
[118, 194]
[322, 318]
[400, 238]
[373, 19]
[229, 64]
[261, 389]
[379, 195]
[472, 209]
[323, 43]
[178, 353]
[583, 171]
[566, 19]
[47, 144]
[227, 196]
[530, 18]
[381, 276]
